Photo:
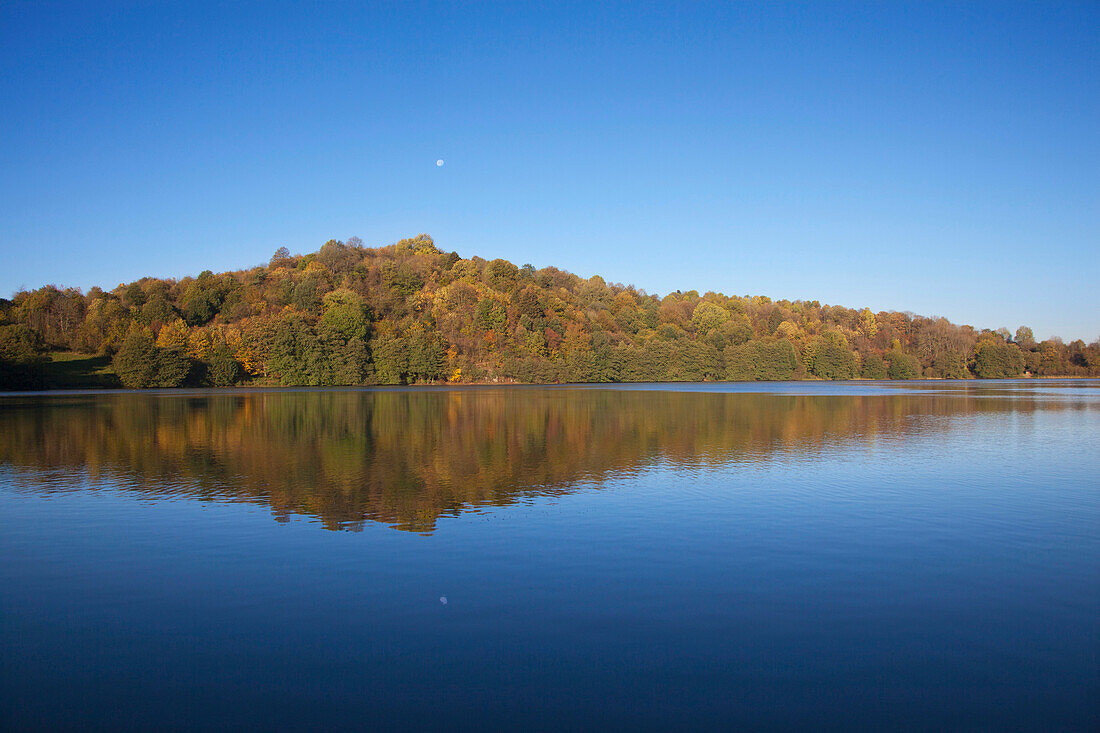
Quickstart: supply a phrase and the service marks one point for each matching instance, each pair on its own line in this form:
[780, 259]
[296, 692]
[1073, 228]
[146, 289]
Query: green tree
[951, 365]
[401, 278]
[222, 368]
[758, 361]
[200, 301]
[738, 329]
[344, 315]
[342, 362]
[157, 311]
[490, 315]
[998, 360]
[827, 359]
[295, 352]
[741, 362]
[307, 294]
[173, 368]
[134, 297]
[708, 316]
[427, 358]
[780, 359]
[140, 364]
[391, 359]
[901, 365]
[501, 274]
[136, 361]
[873, 367]
[22, 357]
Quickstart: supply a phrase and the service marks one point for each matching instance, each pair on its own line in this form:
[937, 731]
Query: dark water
[647, 557]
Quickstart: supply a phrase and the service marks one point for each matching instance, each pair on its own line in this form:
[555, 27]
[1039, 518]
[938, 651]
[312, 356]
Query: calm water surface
[795, 556]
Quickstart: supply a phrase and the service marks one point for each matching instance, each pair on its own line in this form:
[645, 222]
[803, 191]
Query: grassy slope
[67, 370]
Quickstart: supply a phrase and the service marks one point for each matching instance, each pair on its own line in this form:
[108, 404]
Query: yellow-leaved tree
[174, 336]
[868, 326]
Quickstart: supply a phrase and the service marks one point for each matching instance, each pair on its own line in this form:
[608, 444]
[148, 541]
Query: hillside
[411, 313]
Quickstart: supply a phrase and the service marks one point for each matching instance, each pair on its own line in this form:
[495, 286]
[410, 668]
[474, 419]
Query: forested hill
[411, 313]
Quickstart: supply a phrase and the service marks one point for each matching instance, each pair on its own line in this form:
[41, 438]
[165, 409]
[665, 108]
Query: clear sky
[938, 158]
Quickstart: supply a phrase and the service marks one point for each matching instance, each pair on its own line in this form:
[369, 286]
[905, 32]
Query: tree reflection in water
[408, 457]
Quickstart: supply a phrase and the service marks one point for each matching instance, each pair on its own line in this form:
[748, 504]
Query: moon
[439, 163]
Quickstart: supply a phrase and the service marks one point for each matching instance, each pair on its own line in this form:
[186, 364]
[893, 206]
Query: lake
[784, 556]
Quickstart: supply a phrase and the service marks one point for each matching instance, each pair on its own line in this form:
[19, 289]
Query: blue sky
[938, 158]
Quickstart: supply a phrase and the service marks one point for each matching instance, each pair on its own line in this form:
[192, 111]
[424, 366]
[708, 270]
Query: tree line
[410, 313]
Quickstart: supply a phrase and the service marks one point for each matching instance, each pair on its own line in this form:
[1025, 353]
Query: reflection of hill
[406, 457]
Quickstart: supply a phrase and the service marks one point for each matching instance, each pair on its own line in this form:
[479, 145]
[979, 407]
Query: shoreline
[273, 388]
